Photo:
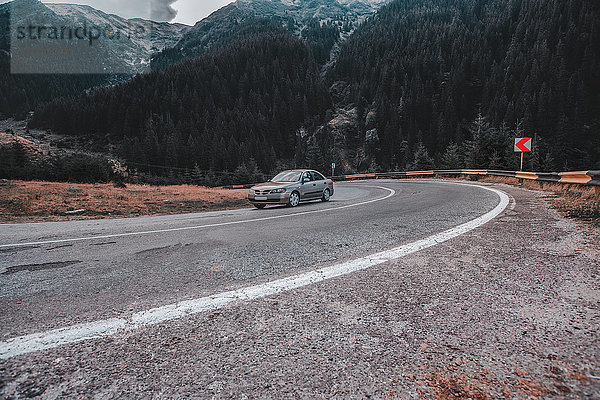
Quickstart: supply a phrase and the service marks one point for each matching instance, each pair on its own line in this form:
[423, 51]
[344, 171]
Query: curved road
[55, 275]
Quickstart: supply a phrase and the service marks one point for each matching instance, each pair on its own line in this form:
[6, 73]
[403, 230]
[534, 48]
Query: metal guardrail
[588, 178]
[238, 186]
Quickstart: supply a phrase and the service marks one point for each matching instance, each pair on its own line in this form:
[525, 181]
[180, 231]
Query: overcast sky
[184, 11]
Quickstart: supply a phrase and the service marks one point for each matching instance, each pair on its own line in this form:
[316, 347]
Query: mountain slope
[137, 51]
[131, 42]
[23, 93]
[319, 22]
[424, 69]
[243, 101]
[422, 83]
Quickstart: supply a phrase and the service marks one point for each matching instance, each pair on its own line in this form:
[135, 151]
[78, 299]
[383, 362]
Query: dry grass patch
[49, 201]
[574, 201]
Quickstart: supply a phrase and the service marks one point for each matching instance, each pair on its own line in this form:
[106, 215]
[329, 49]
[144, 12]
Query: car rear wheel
[294, 199]
[326, 195]
[259, 206]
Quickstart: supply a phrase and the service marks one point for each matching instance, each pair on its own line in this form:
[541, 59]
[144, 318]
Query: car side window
[308, 175]
[318, 176]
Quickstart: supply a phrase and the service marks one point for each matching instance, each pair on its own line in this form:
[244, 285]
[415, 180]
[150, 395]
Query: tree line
[488, 148]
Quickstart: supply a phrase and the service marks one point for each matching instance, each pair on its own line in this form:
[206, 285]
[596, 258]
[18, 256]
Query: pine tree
[242, 175]
[477, 152]
[495, 161]
[255, 174]
[197, 176]
[452, 158]
[314, 156]
[422, 161]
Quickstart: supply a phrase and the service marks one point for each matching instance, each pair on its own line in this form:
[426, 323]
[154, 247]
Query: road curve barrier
[587, 178]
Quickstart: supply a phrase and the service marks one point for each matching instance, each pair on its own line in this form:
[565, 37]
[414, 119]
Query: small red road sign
[523, 145]
[333, 165]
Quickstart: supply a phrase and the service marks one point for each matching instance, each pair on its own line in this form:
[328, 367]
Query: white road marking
[58, 337]
[513, 203]
[391, 193]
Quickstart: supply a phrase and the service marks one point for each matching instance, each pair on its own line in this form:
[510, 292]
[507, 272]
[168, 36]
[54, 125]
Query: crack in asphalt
[39, 267]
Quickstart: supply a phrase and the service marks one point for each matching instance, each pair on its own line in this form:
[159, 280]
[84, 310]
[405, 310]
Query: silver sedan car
[290, 188]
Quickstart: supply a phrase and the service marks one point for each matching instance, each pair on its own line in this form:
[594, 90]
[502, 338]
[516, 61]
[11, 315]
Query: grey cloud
[161, 10]
[157, 10]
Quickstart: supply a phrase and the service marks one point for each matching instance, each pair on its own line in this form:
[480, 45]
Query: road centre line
[51, 339]
[391, 193]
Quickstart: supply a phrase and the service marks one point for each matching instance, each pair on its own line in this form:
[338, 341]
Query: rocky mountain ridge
[323, 24]
[138, 39]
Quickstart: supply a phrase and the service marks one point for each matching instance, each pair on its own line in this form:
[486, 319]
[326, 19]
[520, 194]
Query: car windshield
[287, 176]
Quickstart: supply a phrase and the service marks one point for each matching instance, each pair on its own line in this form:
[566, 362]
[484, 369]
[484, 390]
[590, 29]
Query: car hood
[272, 185]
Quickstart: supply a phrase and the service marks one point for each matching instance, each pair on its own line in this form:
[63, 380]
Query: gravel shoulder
[510, 310]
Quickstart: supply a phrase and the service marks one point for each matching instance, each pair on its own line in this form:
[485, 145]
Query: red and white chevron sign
[523, 145]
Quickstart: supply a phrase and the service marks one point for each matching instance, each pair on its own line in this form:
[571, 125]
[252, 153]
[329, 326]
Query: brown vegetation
[49, 201]
[456, 387]
[574, 201]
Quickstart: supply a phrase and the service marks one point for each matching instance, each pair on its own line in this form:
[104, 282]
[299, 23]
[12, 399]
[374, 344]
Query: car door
[321, 182]
[307, 188]
[316, 185]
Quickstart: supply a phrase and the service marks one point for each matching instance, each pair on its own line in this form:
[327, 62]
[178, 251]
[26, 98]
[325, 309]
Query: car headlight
[278, 191]
[251, 191]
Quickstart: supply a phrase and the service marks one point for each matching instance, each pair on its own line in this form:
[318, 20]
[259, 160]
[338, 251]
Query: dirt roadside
[49, 201]
[510, 310]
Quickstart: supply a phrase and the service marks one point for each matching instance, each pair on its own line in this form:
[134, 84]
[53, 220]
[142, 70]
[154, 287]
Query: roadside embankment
[573, 201]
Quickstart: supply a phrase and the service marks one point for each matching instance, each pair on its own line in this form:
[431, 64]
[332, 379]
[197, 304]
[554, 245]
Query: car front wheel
[294, 199]
[326, 195]
[259, 206]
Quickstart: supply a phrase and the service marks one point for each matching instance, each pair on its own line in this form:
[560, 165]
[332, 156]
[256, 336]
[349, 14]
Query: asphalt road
[54, 275]
[449, 306]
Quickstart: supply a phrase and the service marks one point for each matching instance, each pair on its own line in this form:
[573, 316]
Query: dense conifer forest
[23, 93]
[422, 84]
[213, 34]
[247, 100]
[429, 68]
